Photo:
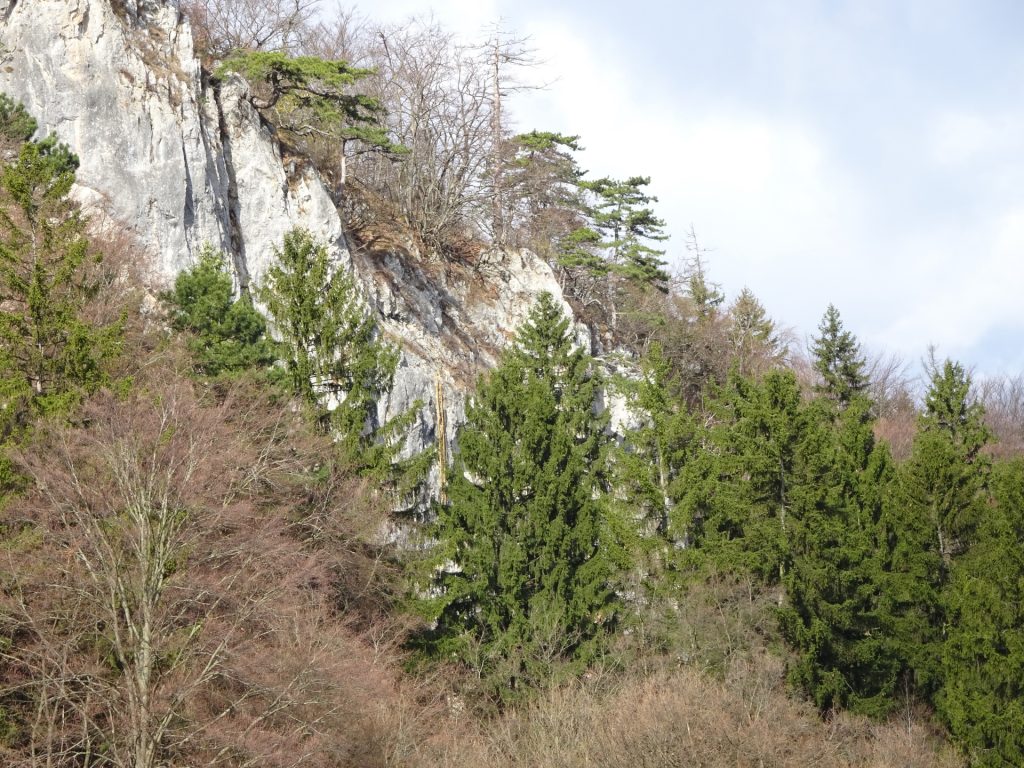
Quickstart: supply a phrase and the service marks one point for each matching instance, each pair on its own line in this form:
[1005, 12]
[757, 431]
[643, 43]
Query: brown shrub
[684, 718]
[171, 588]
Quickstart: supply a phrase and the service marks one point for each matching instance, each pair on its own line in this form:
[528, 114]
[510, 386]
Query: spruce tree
[523, 579]
[737, 497]
[753, 335]
[50, 352]
[707, 296]
[930, 520]
[982, 695]
[332, 349]
[832, 585]
[227, 334]
[657, 451]
[838, 359]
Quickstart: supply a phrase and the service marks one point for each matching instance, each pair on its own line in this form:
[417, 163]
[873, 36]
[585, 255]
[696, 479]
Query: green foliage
[982, 695]
[332, 349]
[737, 493]
[50, 352]
[753, 335]
[936, 506]
[832, 584]
[838, 360]
[545, 197]
[623, 222]
[17, 126]
[311, 98]
[227, 334]
[705, 295]
[523, 573]
[656, 453]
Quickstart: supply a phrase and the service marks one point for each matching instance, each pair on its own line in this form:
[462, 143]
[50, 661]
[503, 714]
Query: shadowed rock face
[180, 163]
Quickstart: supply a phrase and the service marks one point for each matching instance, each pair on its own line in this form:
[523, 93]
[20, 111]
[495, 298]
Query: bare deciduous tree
[162, 604]
[223, 26]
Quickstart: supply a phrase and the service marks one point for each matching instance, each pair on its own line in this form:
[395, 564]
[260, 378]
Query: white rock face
[170, 159]
[181, 164]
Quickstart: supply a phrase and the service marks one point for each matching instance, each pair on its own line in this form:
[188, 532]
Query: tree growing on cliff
[311, 100]
[333, 351]
[524, 571]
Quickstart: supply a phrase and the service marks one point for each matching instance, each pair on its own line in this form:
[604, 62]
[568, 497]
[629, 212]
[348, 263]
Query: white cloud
[959, 137]
[962, 284]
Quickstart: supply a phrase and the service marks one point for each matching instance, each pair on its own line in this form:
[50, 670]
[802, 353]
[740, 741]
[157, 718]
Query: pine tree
[544, 198]
[623, 216]
[524, 576]
[838, 359]
[982, 695]
[17, 127]
[310, 99]
[228, 334]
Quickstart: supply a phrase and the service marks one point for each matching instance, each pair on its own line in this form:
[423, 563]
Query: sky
[868, 154]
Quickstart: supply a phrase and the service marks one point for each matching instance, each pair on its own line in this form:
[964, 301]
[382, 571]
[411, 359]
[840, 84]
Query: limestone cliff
[181, 163]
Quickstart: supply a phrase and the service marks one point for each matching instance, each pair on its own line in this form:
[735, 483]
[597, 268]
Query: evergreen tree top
[951, 409]
[838, 359]
[546, 334]
[17, 126]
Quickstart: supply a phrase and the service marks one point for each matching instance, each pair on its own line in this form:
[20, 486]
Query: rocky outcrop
[175, 161]
[181, 164]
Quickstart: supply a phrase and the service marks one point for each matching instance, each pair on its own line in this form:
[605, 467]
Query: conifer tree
[524, 582]
[754, 338]
[544, 199]
[50, 353]
[938, 502]
[17, 127]
[738, 493]
[982, 695]
[838, 359]
[310, 99]
[623, 217]
[658, 450]
[228, 334]
[332, 345]
[844, 658]
[706, 295]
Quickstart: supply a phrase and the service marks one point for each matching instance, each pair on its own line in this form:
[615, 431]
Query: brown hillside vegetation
[174, 589]
[685, 718]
